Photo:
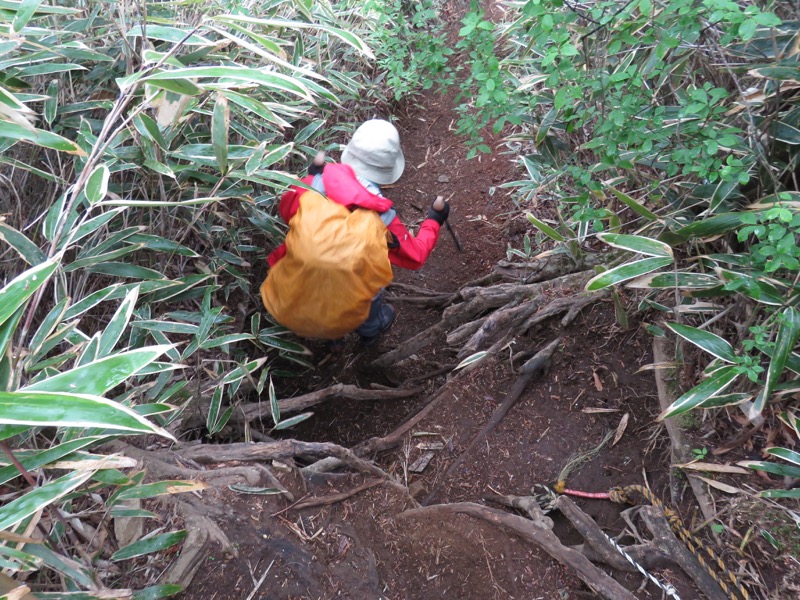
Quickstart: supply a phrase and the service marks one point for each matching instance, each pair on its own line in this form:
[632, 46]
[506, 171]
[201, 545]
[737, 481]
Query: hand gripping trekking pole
[438, 204]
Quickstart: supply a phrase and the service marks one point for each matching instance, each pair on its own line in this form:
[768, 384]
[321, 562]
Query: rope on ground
[695, 545]
[668, 588]
[545, 497]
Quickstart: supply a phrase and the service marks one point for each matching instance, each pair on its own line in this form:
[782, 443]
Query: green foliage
[634, 120]
[149, 182]
[410, 46]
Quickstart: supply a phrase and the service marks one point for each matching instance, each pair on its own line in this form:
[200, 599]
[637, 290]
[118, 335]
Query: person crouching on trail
[327, 278]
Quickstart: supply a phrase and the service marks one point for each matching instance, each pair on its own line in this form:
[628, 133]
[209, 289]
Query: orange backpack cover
[336, 262]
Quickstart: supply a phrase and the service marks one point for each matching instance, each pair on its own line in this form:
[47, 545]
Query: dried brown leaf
[623, 424]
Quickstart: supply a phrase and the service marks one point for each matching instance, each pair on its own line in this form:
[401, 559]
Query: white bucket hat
[374, 152]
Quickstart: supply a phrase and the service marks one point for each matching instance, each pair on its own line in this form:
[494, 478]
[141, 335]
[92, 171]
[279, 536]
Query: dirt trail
[356, 547]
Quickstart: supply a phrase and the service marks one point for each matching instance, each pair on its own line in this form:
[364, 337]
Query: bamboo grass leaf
[116, 326]
[220, 123]
[15, 511]
[97, 184]
[627, 271]
[26, 10]
[22, 287]
[99, 376]
[707, 389]
[637, 243]
[58, 409]
[634, 205]
[788, 334]
[27, 250]
[40, 137]
[705, 340]
[545, 228]
[345, 36]
[150, 545]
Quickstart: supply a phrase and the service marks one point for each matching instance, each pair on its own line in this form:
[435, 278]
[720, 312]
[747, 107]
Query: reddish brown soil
[359, 548]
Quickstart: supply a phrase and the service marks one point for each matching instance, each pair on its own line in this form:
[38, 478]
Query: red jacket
[342, 186]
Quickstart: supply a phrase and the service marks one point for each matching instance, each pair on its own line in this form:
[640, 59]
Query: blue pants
[376, 321]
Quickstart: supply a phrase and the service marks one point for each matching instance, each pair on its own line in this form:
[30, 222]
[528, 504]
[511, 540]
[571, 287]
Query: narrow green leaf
[637, 243]
[46, 327]
[692, 281]
[51, 104]
[22, 287]
[150, 545]
[711, 226]
[627, 271]
[41, 409]
[90, 302]
[220, 123]
[97, 184]
[120, 269]
[788, 333]
[7, 330]
[275, 342]
[156, 592]
[545, 228]
[89, 227]
[633, 205]
[39, 458]
[708, 388]
[710, 342]
[46, 139]
[786, 454]
[116, 326]
[99, 376]
[472, 358]
[15, 511]
[27, 250]
[26, 10]
[273, 403]
[147, 127]
[214, 409]
[774, 468]
[292, 421]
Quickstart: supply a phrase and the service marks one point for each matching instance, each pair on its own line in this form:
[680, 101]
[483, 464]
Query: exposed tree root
[282, 450]
[334, 498]
[598, 549]
[255, 410]
[662, 532]
[530, 371]
[492, 316]
[537, 531]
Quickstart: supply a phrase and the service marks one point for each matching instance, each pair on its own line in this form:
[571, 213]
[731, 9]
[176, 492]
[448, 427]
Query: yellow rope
[623, 495]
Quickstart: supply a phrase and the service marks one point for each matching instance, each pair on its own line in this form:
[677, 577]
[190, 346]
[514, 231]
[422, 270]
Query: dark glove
[440, 216]
[318, 165]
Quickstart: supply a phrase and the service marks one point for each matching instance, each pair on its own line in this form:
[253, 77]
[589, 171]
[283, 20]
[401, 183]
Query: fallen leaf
[723, 487]
[590, 410]
[713, 468]
[623, 424]
[597, 383]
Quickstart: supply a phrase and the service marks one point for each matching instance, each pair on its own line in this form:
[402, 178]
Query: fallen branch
[537, 532]
[334, 498]
[679, 448]
[255, 410]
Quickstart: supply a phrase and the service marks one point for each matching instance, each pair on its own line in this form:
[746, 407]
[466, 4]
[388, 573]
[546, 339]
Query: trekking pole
[438, 204]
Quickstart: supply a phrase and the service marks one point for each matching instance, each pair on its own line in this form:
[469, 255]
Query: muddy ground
[359, 547]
